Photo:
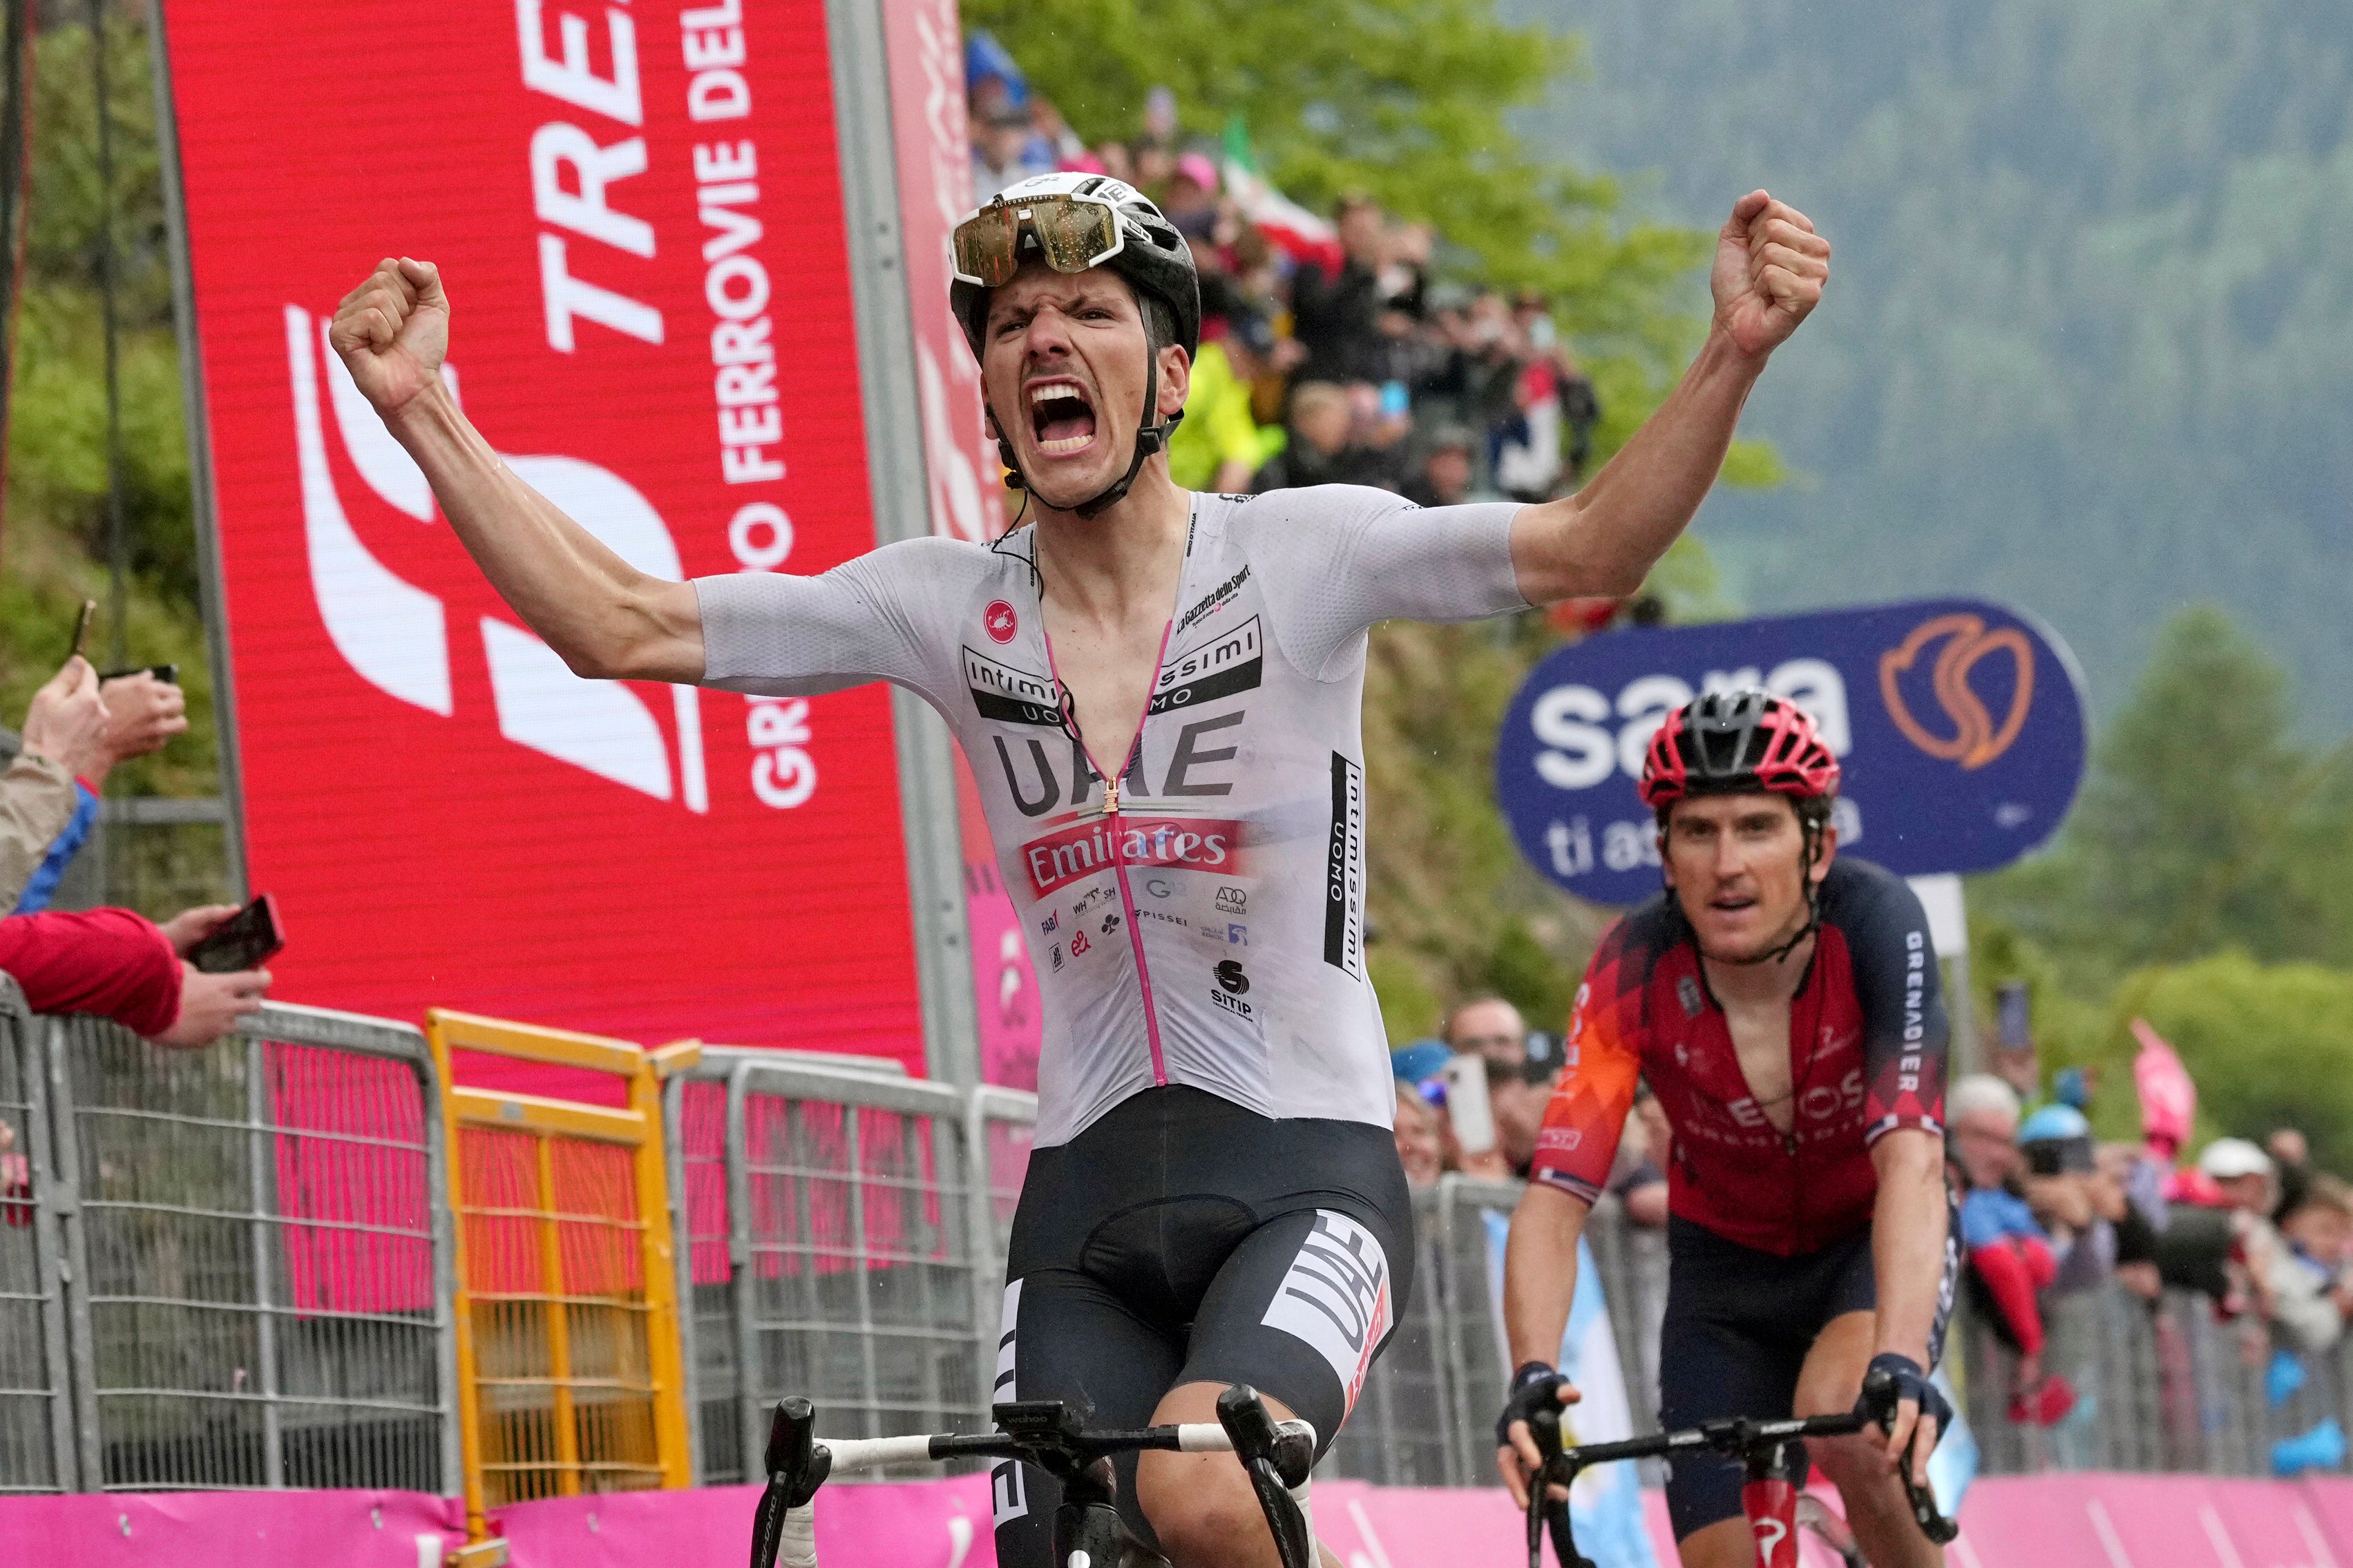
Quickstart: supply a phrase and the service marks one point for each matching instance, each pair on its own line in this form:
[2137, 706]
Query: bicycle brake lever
[796, 1467]
[1543, 1427]
[1262, 1446]
[1923, 1500]
[794, 1461]
[1879, 1391]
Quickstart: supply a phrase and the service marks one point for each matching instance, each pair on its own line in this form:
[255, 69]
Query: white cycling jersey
[1201, 922]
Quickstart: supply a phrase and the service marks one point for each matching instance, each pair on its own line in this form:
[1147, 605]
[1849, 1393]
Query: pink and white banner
[2047, 1521]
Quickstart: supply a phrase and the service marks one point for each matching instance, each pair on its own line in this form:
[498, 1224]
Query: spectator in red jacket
[125, 967]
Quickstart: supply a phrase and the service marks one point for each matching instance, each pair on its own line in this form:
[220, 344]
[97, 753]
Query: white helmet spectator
[2227, 1159]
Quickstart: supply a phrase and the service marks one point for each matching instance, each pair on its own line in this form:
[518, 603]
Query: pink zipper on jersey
[1118, 849]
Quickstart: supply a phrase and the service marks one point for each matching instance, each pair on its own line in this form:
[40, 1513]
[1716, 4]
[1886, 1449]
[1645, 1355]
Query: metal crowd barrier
[257, 1265]
[2160, 1387]
[857, 1267]
[254, 1250]
[37, 1452]
[569, 1378]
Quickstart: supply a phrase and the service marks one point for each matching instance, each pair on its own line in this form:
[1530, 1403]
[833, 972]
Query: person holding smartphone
[135, 714]
[123, 966]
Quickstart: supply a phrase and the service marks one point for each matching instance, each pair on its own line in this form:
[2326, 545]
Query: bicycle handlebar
[1737, 1438]
[1277, 1456]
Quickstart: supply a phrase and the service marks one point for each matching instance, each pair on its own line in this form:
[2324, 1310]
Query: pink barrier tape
[2051, 1521]
[231, 1530]
[921, 1524]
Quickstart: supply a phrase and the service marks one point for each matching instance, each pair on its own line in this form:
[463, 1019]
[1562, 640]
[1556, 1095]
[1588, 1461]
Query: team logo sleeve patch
[1337, 1297]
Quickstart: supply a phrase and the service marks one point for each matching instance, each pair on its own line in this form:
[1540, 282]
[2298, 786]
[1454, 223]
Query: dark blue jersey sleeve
[1906, 1037]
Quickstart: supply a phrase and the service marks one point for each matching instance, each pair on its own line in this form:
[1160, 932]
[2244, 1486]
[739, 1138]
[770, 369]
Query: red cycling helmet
[1732, 742]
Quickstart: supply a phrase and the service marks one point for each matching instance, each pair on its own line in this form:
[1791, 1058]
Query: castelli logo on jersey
[999, 621]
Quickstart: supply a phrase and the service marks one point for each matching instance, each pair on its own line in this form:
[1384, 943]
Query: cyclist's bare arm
[1907, 1258]
[605, 617]
[1769, 270]
[1539, 1280]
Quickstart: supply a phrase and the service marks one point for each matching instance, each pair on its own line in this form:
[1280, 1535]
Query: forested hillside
[2090, 342]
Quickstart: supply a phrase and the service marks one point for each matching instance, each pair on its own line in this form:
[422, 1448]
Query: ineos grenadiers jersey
[1867, 1046]
[1202, 922]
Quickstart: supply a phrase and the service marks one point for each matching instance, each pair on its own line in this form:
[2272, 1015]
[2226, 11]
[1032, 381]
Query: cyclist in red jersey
[1784, 1007]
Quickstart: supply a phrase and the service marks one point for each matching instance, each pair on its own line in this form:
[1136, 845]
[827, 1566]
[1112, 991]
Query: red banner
[925, 44]
[637, 210]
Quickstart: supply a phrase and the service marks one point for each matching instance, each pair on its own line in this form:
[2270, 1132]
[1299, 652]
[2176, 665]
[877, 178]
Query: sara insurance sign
[1958, 725]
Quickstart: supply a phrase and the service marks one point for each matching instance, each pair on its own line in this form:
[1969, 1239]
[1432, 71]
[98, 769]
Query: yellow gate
[569, 1378]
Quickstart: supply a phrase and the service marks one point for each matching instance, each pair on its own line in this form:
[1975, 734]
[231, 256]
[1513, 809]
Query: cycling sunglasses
[1072, 233]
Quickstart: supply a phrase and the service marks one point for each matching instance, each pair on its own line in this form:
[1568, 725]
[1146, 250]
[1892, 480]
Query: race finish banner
[1958, 726]
[637, 212]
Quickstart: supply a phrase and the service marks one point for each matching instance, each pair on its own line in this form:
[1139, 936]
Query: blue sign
[1958, 727]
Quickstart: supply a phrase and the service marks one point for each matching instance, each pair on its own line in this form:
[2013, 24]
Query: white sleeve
[871, 618]
[1339, 557]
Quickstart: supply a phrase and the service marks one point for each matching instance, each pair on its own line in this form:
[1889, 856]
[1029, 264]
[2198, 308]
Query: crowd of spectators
[2046, 1210]
[1330, 351]
[110, 962]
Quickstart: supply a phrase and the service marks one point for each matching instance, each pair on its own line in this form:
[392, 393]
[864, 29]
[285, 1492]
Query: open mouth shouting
[1062, 416]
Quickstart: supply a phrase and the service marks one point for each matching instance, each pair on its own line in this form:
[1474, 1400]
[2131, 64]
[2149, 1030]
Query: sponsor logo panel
[1086, 847]
[1226, 664]
[1344, 872]
[1337, 1297]
[1007, 695]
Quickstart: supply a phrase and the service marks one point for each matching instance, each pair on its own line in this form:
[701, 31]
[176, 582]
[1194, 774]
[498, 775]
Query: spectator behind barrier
[2292, 1163]
[1447, 460]
[1338, 316]
[1517, 1095]
[142, 714]
[1218, 445]
[64, 738]
[2010, 1256]
[1420, 1142]
[123, 966]
[1424, 362]
[1321, 449]
[2304, 1286]
[1487, 1027]
[1642, 1185]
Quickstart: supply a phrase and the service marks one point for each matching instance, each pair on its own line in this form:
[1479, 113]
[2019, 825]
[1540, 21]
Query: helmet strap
[1149, 438]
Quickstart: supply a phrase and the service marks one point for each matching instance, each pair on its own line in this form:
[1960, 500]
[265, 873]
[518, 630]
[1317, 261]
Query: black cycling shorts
[1740, 1323]
[1184, 1240]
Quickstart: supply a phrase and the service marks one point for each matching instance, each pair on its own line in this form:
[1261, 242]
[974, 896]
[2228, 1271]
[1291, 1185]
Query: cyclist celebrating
[1159, 693]
[1783, 1005]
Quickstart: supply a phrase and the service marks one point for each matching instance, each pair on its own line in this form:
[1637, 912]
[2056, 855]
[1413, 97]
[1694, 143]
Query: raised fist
[392, 332]
[1771, 266]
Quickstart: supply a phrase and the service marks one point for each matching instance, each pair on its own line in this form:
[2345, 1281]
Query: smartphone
[2060, 1157]
[1467, 1105]
[246, 940]
[169, 674]
[82, 626]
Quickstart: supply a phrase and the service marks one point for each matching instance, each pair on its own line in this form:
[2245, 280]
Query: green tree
[55, 532]
[2174, 850]
[2268, 1046]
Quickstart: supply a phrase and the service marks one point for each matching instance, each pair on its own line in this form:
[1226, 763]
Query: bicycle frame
[1768, 1493]
[1277, 1456]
